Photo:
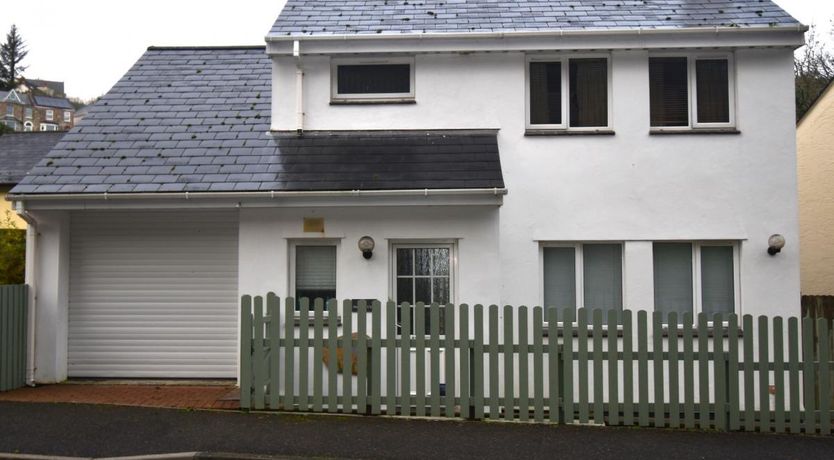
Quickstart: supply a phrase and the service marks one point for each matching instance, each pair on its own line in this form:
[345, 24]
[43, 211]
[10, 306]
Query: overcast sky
[90, 44]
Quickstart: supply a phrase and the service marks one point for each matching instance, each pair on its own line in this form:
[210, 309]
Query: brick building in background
[37, 105]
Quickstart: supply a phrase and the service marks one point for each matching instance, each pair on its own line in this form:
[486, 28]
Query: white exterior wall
[631, 187]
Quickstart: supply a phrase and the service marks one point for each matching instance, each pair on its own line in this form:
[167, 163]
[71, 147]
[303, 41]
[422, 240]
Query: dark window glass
[423, 275]
[588, 92]
[545, 93]
[712, 80]
[668, 91]
[374, 78]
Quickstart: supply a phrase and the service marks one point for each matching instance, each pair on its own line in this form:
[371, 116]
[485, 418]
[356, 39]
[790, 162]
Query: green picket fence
[13, 310]
[535, 364]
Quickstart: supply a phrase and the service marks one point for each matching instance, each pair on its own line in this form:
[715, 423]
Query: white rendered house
[633, 156]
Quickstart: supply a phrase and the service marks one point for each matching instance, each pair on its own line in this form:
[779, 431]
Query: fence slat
[613, 370]
[732, 378]
[642, 369]
[825, 376]
[420, 359]
[793, 375]
[318, 343]
[657, 368]
[332, 366]
[493, 362]
[478, 363]
[449, 356]
[764, 376]
[582, 347]
[567, 368]
[376, 358]
[273, 307]
[246, 352]
[405, 360]
[628, 368]
[362, 361]
[523, 366]
[391, 360]
[303, 356]
[674, 368]
[538, 365]
[719, 371]
[434, 354]
[553, 364]
[509, 373]
[808, 374]
[779, 373]
[465, 368]
[688, 372]
[749, 394]
[347, 356]
[703, 372]
[599, 411]
[258, 354]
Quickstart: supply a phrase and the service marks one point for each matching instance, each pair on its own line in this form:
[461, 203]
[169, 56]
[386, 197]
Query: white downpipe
[299, 87]
[31, 280]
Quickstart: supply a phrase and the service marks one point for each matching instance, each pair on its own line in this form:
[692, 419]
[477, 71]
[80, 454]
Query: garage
[153, 295]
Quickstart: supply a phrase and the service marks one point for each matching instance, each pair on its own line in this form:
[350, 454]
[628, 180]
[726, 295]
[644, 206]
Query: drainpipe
[31, 280]
[299, 88]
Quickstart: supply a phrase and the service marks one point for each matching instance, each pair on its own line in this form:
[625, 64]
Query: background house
[815, 166]
[19, 152]
[37, 105]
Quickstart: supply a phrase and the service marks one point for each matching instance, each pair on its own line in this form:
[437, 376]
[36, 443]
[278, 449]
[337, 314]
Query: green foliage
[12, 251]
[5, 129]
[813, 69]
[12, 53]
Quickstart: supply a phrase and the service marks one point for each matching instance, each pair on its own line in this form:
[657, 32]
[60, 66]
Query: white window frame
[28, 126]
[28, 113]
[691, 76]
[67, 116]
[48, 127]
[697, 295]
[295, 243]
[579, 268]
[335, 96]
[564, 59]
[49, 115]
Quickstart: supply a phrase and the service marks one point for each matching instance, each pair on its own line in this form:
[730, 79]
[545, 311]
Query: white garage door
[153, 295]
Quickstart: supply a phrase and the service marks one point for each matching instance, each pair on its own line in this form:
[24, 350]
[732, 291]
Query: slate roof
[338, 17]
[56, 102]
[19, 152]
[197, 119]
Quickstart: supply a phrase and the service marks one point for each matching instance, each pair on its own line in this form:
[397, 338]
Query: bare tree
[813, 69]
[12, 53]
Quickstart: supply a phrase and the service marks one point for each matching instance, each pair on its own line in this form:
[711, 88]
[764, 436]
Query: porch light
[775, 244]
[366, 245]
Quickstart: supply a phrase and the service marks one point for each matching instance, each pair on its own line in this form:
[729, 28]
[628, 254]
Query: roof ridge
[186, 48]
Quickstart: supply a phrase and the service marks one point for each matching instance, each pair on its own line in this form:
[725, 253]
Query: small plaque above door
[313, 225]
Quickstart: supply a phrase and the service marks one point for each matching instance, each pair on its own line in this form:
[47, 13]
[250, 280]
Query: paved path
[88, 430]
[164, 394]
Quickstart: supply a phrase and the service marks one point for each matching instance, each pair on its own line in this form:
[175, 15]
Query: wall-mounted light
[366, 245]
[775, 244]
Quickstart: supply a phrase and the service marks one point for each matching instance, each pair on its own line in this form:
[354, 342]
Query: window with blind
[355, 80]
[586, 275]
[568, 93]
[680, 267]
[315, 272]
[672, 79]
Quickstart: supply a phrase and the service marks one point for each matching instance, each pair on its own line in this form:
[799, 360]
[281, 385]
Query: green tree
[12, 251]
[12, 53]
[813, 69]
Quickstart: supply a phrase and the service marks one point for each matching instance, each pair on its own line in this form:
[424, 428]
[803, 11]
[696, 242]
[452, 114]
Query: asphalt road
[97, 431]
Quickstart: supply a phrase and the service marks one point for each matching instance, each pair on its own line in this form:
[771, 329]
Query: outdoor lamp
[366, 245]
[775, 244]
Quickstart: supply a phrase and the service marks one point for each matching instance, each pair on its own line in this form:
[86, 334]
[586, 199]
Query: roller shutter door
[153, 295]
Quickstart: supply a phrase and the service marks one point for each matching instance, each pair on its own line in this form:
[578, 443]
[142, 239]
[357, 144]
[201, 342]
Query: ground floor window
[313, 272]
[577, 275]
[423, 273]
[695, 277]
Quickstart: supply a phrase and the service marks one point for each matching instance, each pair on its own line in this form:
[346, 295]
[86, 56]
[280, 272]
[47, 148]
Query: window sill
[568, 132]
[691, 131]
[710, 332]
[311, 319]
[372, 101]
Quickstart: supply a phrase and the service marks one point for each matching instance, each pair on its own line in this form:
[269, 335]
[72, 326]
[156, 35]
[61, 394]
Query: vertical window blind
[546, 93]
[668, 91]
[603, 276]
[588, 92]
[717, 280]
[712, 88]
[560, 278]
[673, 278]
[315, 272]
[373, 79]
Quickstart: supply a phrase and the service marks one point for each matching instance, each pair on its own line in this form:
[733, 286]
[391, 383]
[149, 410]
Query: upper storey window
[568, 93]
[691, 92]
[376, 80]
